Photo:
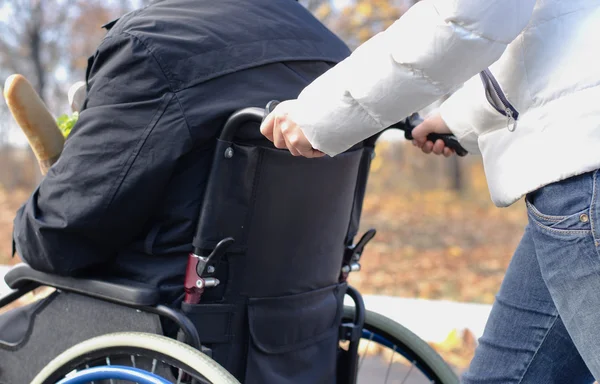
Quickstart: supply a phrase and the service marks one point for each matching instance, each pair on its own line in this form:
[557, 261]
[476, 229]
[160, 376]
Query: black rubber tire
[427, 359]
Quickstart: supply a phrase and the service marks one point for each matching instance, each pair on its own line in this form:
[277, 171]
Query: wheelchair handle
[243, 116]
[449, 140]
[238, 119]
[407, 125]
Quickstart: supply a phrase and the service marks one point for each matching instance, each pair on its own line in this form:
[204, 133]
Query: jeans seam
[564, 231]
[592, 208]
[537, 350]
[541, 216]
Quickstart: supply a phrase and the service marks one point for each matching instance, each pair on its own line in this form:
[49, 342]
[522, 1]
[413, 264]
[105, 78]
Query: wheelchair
[265, 289]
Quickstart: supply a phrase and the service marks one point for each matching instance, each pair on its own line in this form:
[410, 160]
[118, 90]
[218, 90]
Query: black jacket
[124, 197]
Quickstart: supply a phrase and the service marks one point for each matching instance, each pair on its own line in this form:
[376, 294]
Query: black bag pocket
[213, 321]
[294, 339]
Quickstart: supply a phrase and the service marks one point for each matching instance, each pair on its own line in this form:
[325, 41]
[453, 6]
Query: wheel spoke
[366, 350]
[87, 366]
[387, 374]
[414, 364]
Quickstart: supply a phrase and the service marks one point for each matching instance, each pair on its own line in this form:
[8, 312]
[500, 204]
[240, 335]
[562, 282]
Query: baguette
[35, 120]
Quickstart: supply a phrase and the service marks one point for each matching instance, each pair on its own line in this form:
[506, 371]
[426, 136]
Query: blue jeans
[544, 326]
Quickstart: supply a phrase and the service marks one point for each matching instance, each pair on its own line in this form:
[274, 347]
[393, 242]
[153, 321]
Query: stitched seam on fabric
[537, 350]
[594, 5]
[593, 206]
[161, 66]
[461, 26]
[187, 124]
[553, 219]
[246, 43]
[420, 73]
[541, 216]
[275, 60]
[466, 133]
[296, 72]
[140, 144]
[364, 109]
[564, 231]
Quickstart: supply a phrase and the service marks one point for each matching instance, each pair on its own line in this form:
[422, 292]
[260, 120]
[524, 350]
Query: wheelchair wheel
[150, 355]
[390, 353]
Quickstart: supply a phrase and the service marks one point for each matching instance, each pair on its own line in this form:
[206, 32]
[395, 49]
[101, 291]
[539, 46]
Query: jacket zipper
[498, 100]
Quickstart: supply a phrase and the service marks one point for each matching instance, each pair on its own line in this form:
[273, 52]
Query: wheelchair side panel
[59, 322]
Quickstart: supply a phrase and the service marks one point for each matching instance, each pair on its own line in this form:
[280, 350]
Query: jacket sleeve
[431, 50]
[114, 166]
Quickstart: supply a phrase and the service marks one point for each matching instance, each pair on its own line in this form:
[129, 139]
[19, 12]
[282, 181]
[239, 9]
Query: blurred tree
[49, 42]
[45, 40]
[355, 21]
[86, 34]
[32, 35]
[363, 19]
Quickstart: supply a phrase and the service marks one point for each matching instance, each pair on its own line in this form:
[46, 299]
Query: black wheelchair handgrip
[449, 140]
[244, 116]
[238, 119]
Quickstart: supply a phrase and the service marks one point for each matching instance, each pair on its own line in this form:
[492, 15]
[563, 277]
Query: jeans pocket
[294, 339]
[578, 223]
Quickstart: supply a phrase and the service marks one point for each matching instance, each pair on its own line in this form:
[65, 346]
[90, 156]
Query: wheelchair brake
[199, 268]
[353, 253]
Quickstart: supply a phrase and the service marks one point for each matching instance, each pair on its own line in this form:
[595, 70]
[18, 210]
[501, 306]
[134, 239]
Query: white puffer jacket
[544, 72]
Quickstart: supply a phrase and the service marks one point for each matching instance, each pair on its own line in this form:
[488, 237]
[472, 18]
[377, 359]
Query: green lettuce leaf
[66, 123]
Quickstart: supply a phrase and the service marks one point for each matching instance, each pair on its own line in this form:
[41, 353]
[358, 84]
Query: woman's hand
[434, 124]
[279, 128]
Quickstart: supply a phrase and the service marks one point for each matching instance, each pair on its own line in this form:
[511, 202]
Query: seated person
[124, 197]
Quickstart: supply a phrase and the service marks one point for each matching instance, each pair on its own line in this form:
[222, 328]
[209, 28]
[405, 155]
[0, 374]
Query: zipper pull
[510, 120]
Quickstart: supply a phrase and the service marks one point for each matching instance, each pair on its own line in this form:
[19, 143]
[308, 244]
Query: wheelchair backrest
[291, 217]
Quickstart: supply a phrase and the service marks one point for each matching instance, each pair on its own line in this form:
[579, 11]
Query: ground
[431, 242]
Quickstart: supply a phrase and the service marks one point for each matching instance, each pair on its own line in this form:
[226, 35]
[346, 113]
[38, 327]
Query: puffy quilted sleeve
[431, 50]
